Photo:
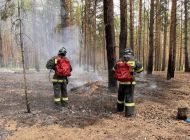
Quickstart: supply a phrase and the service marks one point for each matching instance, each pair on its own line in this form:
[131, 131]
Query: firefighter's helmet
[128, 51]
[62, 51]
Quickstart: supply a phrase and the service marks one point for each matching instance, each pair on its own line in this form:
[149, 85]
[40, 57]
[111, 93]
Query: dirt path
[91, 113]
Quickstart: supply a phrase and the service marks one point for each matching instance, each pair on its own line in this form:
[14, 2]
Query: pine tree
[131, 25]
[110, 41]
[172, 50]
[187, 69]
[151, 39]
[123, 26]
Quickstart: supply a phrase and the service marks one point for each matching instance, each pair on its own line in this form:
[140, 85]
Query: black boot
[120, 107]
[129, 111]
[64, 104]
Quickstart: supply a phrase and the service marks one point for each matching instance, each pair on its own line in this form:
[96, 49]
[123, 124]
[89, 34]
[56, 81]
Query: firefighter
[59, 82]
[125, 99]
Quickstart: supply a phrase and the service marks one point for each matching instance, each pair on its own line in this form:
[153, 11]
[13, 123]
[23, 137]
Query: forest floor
[91, 113]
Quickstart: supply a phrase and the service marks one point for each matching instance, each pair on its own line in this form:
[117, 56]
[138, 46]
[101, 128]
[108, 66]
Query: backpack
[62, 67]
[123, 72]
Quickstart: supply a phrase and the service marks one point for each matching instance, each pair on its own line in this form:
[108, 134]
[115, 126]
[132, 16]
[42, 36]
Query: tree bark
[94, 36]
[1, 49]
[88, 35]
[145, 36]
[64, 4]
[36, 49]
[110, 41]
[81, 34]
[187, 69]
[165, 35]
[23, 61]
[151, 39]
[104, 50]
[164, 46]
[123, 26]
[140, 31]
[181, 38]
[157, 37]
[26, 58]
[131, 26]
[85, 35]
[172, 50]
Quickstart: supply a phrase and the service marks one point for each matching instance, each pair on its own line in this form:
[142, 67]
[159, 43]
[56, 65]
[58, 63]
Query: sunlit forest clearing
[94, 34]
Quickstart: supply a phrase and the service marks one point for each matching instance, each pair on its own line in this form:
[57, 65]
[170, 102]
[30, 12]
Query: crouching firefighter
[125, 70]
[62, 67]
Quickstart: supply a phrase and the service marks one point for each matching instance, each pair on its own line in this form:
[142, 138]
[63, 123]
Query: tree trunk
[140, 31]
[70, 10]
[131, 26]
[94, 36]
[88, 35]
[26, 57]
[181, 38]
[144, 35]
[104, 50]
[147, 39]
[157, 37]
[64, 4]
[36, 49]
[165, 35]
[110, 41]
[164, 47]
[1, 50]
[172, 51]
[187, 69]
[123, 27]
[151, 39]
[89, 30]
[81, 34]
[23, 62]
[85, 35]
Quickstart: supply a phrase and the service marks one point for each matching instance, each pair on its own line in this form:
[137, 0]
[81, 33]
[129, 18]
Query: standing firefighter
[125, 70]
[62, 67]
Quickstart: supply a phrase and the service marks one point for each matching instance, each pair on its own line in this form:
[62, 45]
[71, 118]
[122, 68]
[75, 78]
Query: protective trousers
[60, 92]
[126, 99]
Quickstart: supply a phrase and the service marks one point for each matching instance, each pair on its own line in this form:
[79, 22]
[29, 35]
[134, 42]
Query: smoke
[153, 85]
[146, 81]
[43, 37]
[52, 38]
[68, 38]
[48, 36]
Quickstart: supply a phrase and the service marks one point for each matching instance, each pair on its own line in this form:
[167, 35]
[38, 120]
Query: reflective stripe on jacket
[59, 80]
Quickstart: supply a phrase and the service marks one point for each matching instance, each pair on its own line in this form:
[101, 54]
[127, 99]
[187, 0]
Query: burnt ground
[91, 112]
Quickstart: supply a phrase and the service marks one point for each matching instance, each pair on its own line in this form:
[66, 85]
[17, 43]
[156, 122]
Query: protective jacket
[135, 65]
[51, 64]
